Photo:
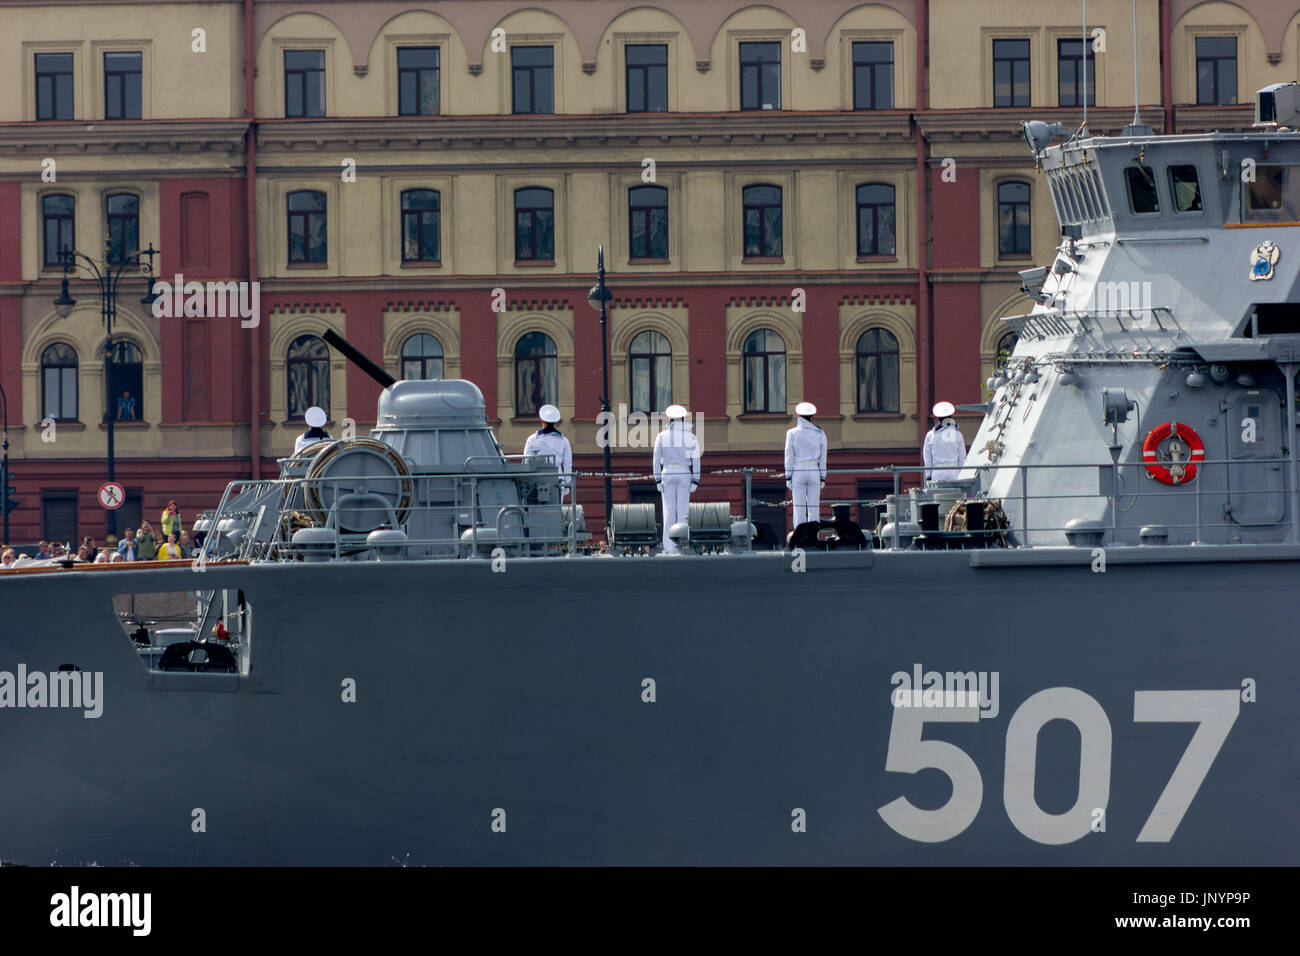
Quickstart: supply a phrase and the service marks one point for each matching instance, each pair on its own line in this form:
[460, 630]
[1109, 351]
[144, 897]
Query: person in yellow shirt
[171, 551]
[171, 520]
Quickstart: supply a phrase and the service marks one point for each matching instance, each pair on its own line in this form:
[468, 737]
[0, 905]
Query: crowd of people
[169, 541]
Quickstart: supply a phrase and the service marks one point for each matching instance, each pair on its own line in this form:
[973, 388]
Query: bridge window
[1274, 196]
[1185, 188]
[1142, 194]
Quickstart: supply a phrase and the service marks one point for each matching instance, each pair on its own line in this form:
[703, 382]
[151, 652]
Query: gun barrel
[350, 353]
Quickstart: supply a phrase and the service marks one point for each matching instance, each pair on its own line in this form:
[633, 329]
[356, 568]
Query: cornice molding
[123, 137]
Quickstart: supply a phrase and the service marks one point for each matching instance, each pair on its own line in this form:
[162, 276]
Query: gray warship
[427, 666]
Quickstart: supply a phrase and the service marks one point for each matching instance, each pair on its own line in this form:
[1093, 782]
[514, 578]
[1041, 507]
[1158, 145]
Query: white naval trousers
[677, 500]
[806, 485]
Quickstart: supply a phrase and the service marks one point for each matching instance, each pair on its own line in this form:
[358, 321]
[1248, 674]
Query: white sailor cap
[549, 413]
[675, 411]
[315, 417]
[805, 408]
[944, 409]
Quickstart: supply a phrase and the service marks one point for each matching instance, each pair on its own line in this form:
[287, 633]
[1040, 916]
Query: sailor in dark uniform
[315, 432]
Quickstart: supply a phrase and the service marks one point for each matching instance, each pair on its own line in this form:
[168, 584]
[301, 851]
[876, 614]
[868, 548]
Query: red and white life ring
[1160, 470]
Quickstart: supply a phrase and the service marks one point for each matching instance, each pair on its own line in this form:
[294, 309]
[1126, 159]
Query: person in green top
[148, 541]
[171, 520]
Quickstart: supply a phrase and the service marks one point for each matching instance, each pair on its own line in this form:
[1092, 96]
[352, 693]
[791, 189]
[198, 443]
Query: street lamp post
[4, 462]
[598, 298]
[107, 276]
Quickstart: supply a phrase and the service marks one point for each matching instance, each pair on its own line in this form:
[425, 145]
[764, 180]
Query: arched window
[875, 220]
[59, 215]
[307, 238]
[536, 373]
[59, 383]
[307, 371]
[421, 225]
[534, 223]
[764, 357]
[123, 212]
[1013, 219]
[647, 222]
[877, 371]
[1006, 345]
[650, 358]
[127, 383]
[762, 221]
[421, 357]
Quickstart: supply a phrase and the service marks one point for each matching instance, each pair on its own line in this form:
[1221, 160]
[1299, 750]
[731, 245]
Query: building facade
[826, 201]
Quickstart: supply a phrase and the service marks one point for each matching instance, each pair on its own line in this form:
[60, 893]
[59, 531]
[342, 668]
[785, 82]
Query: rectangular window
[760, 76]
[1070, 65]
[873, 76]
[59, 213]
[1014, 235]
[533, 79]
[1216, 70]
[54, 86]
[59, 516]
[1274, 196]
[1185, 188]
[1010, 72]
[647, 77]
[122, 79]
[1142, 195]
[417, 81]
[304, 83]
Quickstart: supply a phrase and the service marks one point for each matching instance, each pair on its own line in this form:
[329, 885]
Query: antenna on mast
[1137, 127]
[1084, 58]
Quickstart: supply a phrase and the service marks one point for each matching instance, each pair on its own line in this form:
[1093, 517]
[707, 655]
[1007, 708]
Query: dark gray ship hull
[518, 699]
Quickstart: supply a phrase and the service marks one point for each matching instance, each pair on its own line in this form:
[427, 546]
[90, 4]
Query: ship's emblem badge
[1263, 259]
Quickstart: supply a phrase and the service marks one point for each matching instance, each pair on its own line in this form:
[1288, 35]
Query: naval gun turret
[431, 480]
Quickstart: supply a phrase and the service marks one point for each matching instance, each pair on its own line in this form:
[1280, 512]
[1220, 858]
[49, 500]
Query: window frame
[540, 377]
[859, 206]
[644, 69]
[745, 207]
[121, 75]
[120, 348]
[1173, 192]
[1155, 189]
[533, 212]
[765, 355]
[885, 407]
[650, 359]
[38, 74]
[419, 71]
[292, 214]
[1028, 59]
[303, 73]
[1198, 58]
[114, 220]
[71, 218]
[420, 217]
[758, 64]
[531, 69]
[62, 367]
[1028, 205]
[1087, 55]
[647, 210]
[871, 66]
[291, 361]
[423, 358]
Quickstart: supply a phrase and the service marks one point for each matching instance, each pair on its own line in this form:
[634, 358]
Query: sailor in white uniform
[676, 469]
[315, 430]
[805, 464]
[944, 451]
[547, 440]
